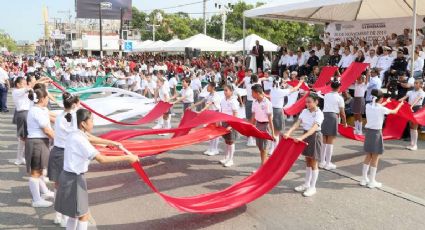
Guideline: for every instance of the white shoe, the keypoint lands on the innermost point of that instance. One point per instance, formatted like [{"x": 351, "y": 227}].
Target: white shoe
[
  {"x": 309, "y": 192},
  {"x": 42, "y": 204},
  {"x": 223, "y": 161},
  {"x": 374, "y": 184},
  {"x": 322, "y": 165},
  {"x": 64, "y": 221},
  {"x": 413, "y": 148},
  {"x": 251, "y": 142},
  {"x": 157, "y": 126},
  {"x": 48, "y": 195},
  {"x": 360, "y": 133},
  {"x": 207, "y": 152},
  {"x": 18, "y": 162},
  {"x": 290, "y": 119},
  {"x": 364, "y": 182},
  {"x": 57, "y": 220},
  {"x": 212, "y": 153},
  {"x": 330, "y": 166},
  {"x": 301, "y": 188},
  {"x": 229, "y": 163}
]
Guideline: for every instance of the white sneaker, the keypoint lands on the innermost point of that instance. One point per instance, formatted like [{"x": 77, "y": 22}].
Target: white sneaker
[
  {"x": 309, "y": 192},
  {"x": 290, "y": 119},
  {"x": 42, "y": 204},
  {"x": 229, "y": 163},
  {"x": 301, "y": 188},
  {"x": 223, "y": 161},
  {"x": 207, "y": 152},
  {"x": 364, "y": 182},
  {"x": 57, "y": 220},
  {"x": 330, "y": 166},
  {"x": 18, "y": 162},
  {"x": 157, "y": 126},
  {"x": 64, "y": 221},
  {"x": 374, "y": 184},
  {"x": 48, "y": 195},
  {"x": 408, "y": 147},
  {"x": 413, "y": 148},
  {"x": 212, "y": 153},
  {"x": 322, "y": 165},
  {"x": 251, "y": 142}
]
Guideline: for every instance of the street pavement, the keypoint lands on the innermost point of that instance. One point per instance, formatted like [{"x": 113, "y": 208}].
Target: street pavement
[{"x": 119, "y": 200}]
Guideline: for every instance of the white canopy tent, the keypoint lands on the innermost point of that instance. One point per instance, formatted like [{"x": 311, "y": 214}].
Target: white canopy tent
[
  {"x": 154, "y": 47},
  {"x": 323, "y": 11},
  {"x": 170, "y": 43},
  {"x": 139, "y": 46},
  {"x": 250, "y": 42},
  {"x": 202, "y": 42}
]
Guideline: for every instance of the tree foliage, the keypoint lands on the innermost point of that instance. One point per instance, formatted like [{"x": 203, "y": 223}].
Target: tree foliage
[
  {"x": 8, "y": 42},
  {"x": 180, "y": 25}
]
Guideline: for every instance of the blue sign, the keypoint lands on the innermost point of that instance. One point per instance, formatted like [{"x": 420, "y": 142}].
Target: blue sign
[{"x": 128, "y": 46}]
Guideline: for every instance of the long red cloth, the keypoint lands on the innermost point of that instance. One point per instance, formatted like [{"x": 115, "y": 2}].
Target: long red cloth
[
  {"x": 294, "y": 83},
  {"x": 154, "y": 114},
  {"x": 192, "y": 121},
  {"x": 349, "y": 76},
  {"x": 297, "y": 107},
  {"x": 241, "y": 193},
  {"x": 325, "y": 76}
]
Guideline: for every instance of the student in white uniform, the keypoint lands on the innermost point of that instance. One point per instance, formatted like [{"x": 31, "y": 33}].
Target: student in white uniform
[
  {"x": 72, "y": 196},
  {"x": 37, "y": 145},
  {"x": 229, "y": 105},
  {"x": 359, "y": 103},
  {"x": 186, "y": 95},
  {"x": 415, "y": 99},
  {"x": 262, "y": 117},
  {"x": 212, "y": 102},
  {"x": 311, "y": 120},
  {"x": 333, "y": 107},
  {"x": 277, "y": 98},
  {"x": 374, "y": 144},
  {"x": 163, "y": 94},
  {"x": 22, "y": 105},
  {"x": 249, "y": 82},
  {"x": 172, "y": 82},
  {"x": 196, "y": 85}
]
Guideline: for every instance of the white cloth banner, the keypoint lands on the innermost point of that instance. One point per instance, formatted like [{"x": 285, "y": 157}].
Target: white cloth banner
[{"x": 370, "y": 30}]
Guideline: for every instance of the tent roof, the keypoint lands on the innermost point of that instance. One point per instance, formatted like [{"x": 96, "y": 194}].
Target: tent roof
[
  {"x": 250, "y": 42},
  {"x": 336, "y": 10},
  {"x": 202, "y": 42}
]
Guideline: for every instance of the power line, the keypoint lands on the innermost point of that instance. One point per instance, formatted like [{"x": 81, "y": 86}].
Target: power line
[{"x": 176, "y": 6}]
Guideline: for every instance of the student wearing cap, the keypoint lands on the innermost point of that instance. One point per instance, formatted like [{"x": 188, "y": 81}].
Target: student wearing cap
[
  {"x": 384, "y": 62},
  {"x": 335, "y": 57}
]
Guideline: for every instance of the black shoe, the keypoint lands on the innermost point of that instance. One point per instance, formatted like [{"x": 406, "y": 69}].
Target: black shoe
[{"x": 5, "y": 111}]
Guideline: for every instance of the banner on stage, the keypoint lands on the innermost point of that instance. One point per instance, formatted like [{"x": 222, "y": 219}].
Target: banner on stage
[{"x": 369, "y": 30}]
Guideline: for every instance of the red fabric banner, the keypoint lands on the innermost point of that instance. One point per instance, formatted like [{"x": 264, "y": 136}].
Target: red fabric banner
[
  {"x": 294, "y": 83},
  {"x": 349, "y": 76},
  {"x": 297, "y": 107},
  {"x": 241, "y": 193},
  {"x": 325, "y": 76}
]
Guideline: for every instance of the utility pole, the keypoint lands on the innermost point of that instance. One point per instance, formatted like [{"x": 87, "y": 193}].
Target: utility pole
[
  {"x": 121, "y": 22},
  {"x": 100, "y": 31},
  {"x": 224, "y": 10},
  {"x": 205, "y": 16}
]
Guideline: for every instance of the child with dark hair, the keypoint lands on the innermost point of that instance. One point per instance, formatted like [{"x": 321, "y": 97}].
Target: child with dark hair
[{"x": 311, "y": 120}]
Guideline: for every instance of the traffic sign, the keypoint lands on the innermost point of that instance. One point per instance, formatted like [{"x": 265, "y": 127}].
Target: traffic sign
[{"x": 128, "y": 46}]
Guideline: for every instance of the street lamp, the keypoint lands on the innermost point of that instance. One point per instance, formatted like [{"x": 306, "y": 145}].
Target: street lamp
[
  {"x": 102, "y": 6},
  {"x": 158, "y": 18},
  {"x": 224, "y": 10}
]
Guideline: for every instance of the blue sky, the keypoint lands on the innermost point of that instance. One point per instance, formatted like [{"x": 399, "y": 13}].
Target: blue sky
[{"x": 22, "y": 19}]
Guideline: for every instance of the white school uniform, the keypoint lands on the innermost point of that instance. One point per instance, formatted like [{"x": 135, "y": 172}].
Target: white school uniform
[
  {"x": 308, "y": 119},
  {"x": 262, "y": 110},
  {"x": 413, "y": 95},
  {"x": 78, "y": 153},
  {"x": 20, "y": 99},
  {"x": 333, "y": 102},
  {"x": 215, "y": 100},
  {"x": 277, "y": 97},
  {"x": 37, "y": 119},
  {"x": 187, "y": 94},
  {"x": 375, "y": 114}
]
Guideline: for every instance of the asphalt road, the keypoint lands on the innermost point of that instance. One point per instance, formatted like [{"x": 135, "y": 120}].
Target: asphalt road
[{"x": 119, "y": 200}]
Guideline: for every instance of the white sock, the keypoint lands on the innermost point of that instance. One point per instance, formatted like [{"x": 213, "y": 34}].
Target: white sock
[
  {"x": 58, "y": 215},
  {"x": 71, "y": 224},
  {"x": 413, "y": 137},
  {"x": 322, "y": 153},
  {"x": 169, "y": 123},
  {"x": 231, "y": 152},
  {"x": 215, "y": 144},
  {"x": 307, "y": 178},
  {"x": 161, "y": 121},
  {"x": 314, "y": 176},
  {"x": 365, "y": 171},
  {"x": 329, "y": 151},
  {"x": 21, "y": 150},
  {"x": 210, "y": 146},
  {"x": 356, "y": 126},
  {"x": 34, "y": 184},
  {"x": 43, "y": 187},
  {"x": 274, "y": 144},
  {"x": 360, "y": 127},
  {"x": 82, "y": 225},
  {"x": 372, "y": 173}
]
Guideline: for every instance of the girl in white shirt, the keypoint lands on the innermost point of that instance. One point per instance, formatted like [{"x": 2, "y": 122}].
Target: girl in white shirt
[
  {"x": 311, "y": 120},
  {"x": 186, "y": 95},
  {"x": 212, "y": 102},
  {"x": 250, "y": 81},
  {"x": 229, "y": 105},
  {"x": 360, "y": 88},
  {"x": 37, "y": 145},
  {"x": 163, "y": 93},
  {"x": 72, "y": 196},
  {"x": 374, "y": 144},
  {"x": 333, "y": 107},
  {"x": 415, "y": 99},
  {"x": 22, "y": 105},
  {"x": 277, "y": 98}
]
